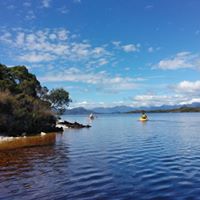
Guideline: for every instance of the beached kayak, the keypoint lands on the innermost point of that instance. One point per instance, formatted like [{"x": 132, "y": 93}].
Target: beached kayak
[{"x": 7, "y": 143}]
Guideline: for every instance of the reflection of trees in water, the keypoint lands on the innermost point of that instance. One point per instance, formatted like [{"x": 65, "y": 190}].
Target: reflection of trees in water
[
  {"x": 30, "y": 162},
  {"x": 33, "y": 172}
]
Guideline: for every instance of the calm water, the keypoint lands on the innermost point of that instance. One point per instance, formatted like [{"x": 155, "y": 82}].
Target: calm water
[{"x": 118, "y": 158}]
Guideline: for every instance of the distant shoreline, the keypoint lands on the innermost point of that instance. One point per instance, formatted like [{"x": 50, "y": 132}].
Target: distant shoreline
[
  {"x": 177, "y": 110},
  {"x": 194, "y": 107}
]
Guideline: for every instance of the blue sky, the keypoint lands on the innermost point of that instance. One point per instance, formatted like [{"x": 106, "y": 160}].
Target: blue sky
[{"x": 107, "y": 52}]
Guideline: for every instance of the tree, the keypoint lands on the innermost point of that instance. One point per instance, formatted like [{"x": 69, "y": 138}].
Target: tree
[
  {"x": 24, "y": 114},
  {"x": 18, "y": 80},
  {"x": 26, "y": 106},
  {"x": 43, "y": 93},
  {"x": 59, "y": 99},
  {"x": 7, "y": 82},
  {"x": 26, "y": 82}
]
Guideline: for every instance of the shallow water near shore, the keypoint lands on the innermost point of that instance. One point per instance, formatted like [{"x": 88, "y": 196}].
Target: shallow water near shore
[{"x": 117, "y": 158}]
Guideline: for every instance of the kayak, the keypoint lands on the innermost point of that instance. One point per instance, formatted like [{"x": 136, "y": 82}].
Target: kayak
[
  {"x": 91, "y": 117},
  {"x": 143, "y": 119}
]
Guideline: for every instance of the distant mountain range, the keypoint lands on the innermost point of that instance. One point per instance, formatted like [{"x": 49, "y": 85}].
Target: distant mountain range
[
  {"x": 110, "y": 110},
  {"x": 175, "y": 110},
  {"x": 125, "y": 109},
  {"x": 78, "y": 111}
]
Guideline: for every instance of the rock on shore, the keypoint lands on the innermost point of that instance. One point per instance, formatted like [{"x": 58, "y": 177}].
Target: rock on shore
[{"x": 66, "y": 124}]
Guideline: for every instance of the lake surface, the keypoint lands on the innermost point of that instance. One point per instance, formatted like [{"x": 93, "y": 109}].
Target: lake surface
[{"x": 117, "y": 158}]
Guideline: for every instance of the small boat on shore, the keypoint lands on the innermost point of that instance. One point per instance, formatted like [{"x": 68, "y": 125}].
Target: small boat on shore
[{"x": 7, "y": 143}]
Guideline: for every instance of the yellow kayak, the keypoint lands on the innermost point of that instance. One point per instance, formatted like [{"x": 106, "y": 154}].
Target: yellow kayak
[{"x": 143, "y": 119}]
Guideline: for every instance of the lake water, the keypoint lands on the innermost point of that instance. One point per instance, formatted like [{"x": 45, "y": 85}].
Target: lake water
[{"x": 117, "y": 158}]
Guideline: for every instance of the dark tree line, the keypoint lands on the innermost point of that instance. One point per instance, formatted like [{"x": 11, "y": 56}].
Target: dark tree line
[{"x": 25, "y": 106}]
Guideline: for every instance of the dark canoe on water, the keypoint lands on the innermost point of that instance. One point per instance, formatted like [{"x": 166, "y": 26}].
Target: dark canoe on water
[{"x": 29, "y": 141}]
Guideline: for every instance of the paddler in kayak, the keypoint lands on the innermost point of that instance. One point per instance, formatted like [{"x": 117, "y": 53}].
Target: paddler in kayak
[
  {"x": 143, "y": 116},
  {"x": 91, "y": 116}
]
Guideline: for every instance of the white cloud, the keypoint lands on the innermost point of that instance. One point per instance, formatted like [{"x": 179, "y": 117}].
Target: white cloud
[
  {"x": 159, "y": 100},
  {"x": 140, "y": 101},
  {"x": 150, "y": 49},
  {"x": 101, "y": 80},
  {"x": 153, "y": 49},
  {"x": 149, "y": 7},
  {"x": 188, "y": 87},
  {"x": 30, "y": 15},
  {"x": 6, "y": 37},
  {"x": 20, "y": 38},
  {"x": 89, "y": 104},
  {"x": 63, "y": 10},
  {"x": 185, "y": 92},
  {"x": 58, "y": 43},
  {"x": 131, "y": 47},
  {"x": 102, "y": 61},
  {"x": 80, "y": 50},
  {"x": 92, "y": 104},
  {"x": 34, "y": 57},
  {"x": 27, "y": 4},
  {"x": 96, "y": 63},
  {"x": 52, "y": 36},
  {"x": 63, "y": 34},
  {"x": 77, "y": 1},
  {"x": 128, "y": 47},
  {"x": 190, "y": 101},
  {"x": 11, "y": 7},
  {"x": 116, "y": 43},
  {"x": 180, "y": 61},
  {"x": 46, "y": 3},
  {"x": 99, "y": 50}
]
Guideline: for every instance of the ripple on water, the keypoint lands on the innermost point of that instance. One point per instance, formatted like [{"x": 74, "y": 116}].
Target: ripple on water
[{"x": 117, "y": 159}]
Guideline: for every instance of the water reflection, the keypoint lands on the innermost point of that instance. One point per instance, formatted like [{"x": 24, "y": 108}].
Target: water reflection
[
  {"x": 23, "y": 171},
  {"x": 117, "y": 158}
]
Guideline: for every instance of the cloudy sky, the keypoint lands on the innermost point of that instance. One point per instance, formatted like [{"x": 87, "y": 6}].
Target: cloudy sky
[{"x": 107, "y": 52}]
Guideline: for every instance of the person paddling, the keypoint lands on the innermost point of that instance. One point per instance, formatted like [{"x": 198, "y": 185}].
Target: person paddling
[
  {"x": 91, "y": 116},
  {"x": 144, "y": 116}
]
